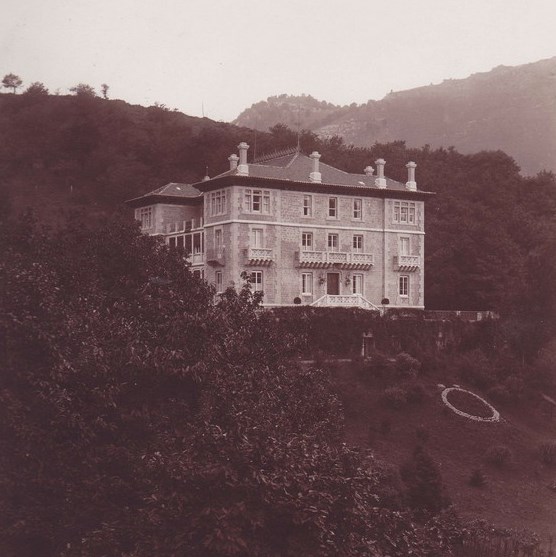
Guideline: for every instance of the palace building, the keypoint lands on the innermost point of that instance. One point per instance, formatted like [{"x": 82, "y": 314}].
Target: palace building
[{"x": 304, "y": 231}]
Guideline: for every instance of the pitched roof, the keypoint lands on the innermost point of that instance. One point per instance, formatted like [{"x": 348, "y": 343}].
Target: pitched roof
[
  {"x": 296, "y": 167},
  {"x": 170, "y": 192}
]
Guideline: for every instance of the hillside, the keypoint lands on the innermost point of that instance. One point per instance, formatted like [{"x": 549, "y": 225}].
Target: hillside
[
  {"x": 508, "y": 108},
  {"x": 490, "y": 232}
]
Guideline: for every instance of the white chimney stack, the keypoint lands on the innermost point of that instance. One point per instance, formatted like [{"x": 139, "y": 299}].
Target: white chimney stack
[
  {"x": 380, "y": 181},
  {"x": 411, "y": 184},
  {"x": 233, "y": 161},
  {"x": 315, "y": 175},
  {"x": 243, "y": 168}
]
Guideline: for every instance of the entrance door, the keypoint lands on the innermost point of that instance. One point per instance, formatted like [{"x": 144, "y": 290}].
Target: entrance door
[{"x": 333, "y": 283}]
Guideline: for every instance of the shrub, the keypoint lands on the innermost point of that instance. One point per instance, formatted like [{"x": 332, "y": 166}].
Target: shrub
[
  {"x": 547, "y": 453},
  {"x": 425, "y": 488},
  {"x": 477, "y": 478},
  {"x": 394, "y": 397},
  {"x": 499, "y": 455},
  {"x": 407, "y": 365}
]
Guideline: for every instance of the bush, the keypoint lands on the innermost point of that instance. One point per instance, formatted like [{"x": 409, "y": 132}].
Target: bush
[
  {"x": 407, "y": 365},
  {"x": 499, "y": 455},
  {"x": 394, "y": 397},
  {"x": 547, "y": 453},
  {"x": 425, "y": 488},
  {"x": 477, "y": 478}
]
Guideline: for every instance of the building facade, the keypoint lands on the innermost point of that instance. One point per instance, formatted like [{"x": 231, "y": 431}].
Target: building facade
[{"x": 305, "y": 232}]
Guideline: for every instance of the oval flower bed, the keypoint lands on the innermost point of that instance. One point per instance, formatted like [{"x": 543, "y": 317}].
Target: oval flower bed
[{"x": 468, "y": 404}]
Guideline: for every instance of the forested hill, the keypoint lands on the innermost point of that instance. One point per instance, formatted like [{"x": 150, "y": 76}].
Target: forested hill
[
  {"x": 508, "y": 108},
  {"x": 491, "y": 233}
]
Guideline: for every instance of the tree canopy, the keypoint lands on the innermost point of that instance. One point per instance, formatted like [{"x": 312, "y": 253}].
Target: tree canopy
[
  {"x": 140, "y": 418},
  {"x": 12, "y": 81}
]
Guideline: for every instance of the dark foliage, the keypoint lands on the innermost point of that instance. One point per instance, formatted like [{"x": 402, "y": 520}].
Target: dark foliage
[
  {"x": 425, "y": 489},
  {"x": 140, "y": 419}
]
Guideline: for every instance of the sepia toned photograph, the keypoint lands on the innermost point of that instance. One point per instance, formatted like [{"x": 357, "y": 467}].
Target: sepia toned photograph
[{"x": 277, "y": 278}]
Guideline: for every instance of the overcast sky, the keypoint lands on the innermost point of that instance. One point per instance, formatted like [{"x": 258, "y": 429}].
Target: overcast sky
[{"x": 226, "y": 55}]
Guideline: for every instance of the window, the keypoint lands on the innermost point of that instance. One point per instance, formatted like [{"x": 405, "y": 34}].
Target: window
[
  {"x": 404, "y": 245},
  {"x": 217, "y": 202},
  {"x": 172, "y": 242},
  {"x": 306, "y": 283},
  {"x": 404, "y": 212},
  {"x": 257, "y": 201},
  {"x": 145, "y": 215},
  {"x": 357, "y": 284},
  {"x": 257, "y": 238},
  {"x": 256, "y": 280},
  {"x": 333, "y": 242},
  {"x": 198, "y": 242},
  {"x": 357, "y": 209},
  {"x": 333, "y": 207},
  {"x": 404, "y": 285},
  {"x": 307, "y": 206},
  {"x": 306, "y": 241},
  {"x": 358, "y": 243},
  {"x": 218, "y": 239},
  {"x": 218, "y": 281}
]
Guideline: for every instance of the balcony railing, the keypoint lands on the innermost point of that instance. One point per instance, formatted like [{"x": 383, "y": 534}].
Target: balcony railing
[
  {"x": 407, "y": 263},
  {"x": 260, "y": 256},
  {"x": 340, "y": 259},
  {"x": 184, "y": 226},
  {"x": 345, "y": 300}
]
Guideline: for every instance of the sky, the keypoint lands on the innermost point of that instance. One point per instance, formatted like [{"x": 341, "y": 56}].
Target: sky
[{"x": 218, "y": 57}]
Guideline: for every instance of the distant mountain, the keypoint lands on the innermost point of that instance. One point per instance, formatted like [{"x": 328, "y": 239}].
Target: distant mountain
[{"x": 507, "y": 108}]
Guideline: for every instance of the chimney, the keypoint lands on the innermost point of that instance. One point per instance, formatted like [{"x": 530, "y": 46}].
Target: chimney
[
  {"x": 380, "y": 181},
  {"x": 411, "y": 184},
  {"x": 243, "y": 168},
  {"x": 233, "y": 161},
  {"x": 369, "y": 171},
  {"x": 315, "y": 175}
]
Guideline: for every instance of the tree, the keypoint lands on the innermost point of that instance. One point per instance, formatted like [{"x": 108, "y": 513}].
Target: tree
[
  {"x": 84, "y": 90},
  {"x": 104, "y": 90},
  {"x": 37, "y": 88},
  {"x": 12, "y": 81},
  {"x": 138, "y": 418}
]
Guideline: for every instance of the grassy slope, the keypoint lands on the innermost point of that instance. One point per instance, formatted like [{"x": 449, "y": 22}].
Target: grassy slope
[{"x": 515, "y": 496}]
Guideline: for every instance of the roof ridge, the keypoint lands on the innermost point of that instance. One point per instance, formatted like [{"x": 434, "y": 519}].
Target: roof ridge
[{"x": 275, "y": 154}]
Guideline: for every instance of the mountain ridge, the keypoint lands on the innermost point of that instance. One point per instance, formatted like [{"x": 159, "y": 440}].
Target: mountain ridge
[{"x": 511, "y": 108}]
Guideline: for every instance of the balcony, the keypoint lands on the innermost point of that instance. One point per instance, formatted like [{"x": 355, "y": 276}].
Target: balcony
[
  {"x": 337, "y": 259},
  {"x": 259, "y": 256},
  {"x": 407, "y": 263},
  {"x": 216, "y": 256},
  {"x": 344, "y": 301}
]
